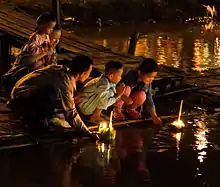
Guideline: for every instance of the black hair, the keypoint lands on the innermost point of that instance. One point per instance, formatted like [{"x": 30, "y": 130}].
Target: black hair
[
  {"x": 113, "y": 66},
  {"x": 148, "y": 65},
  {"x": 44, "y": 18},
  {"x": 80, "y": 64}
]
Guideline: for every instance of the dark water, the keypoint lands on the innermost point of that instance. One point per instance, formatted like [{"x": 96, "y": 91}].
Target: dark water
[
  {"x": 188, "y": 47},
  {"x": 139, "y": 156}
]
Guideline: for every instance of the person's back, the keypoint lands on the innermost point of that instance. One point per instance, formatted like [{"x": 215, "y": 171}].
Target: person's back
[
  {"x": 48, "y": 93},
  {"x": 50, "y": 76},
  {"x": 35, "y": 96},
  {"x": 35, "y": 54}
]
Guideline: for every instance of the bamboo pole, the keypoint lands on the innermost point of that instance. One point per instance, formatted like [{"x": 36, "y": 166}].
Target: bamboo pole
[{"x": 180, "y": 111}]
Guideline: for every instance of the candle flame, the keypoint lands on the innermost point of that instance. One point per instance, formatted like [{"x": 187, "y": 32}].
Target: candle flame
[
  {"x": 105, "y": 127},
  {"x": 178, "y": 123}
]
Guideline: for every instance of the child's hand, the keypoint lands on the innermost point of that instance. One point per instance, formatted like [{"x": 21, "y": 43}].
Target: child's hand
[
  {"x": 120, "y": 89},
  {"x": 156, "y": 120}
]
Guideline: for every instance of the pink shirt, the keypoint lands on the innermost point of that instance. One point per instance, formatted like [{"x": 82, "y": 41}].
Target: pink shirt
[{"x": 34, "y": 47}]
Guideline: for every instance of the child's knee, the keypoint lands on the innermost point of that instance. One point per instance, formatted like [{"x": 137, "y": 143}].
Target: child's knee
[{"x": 139, "y": 96}]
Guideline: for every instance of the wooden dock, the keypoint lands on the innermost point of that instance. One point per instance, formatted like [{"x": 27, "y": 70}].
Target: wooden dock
[{"x": 22, "y": 25}]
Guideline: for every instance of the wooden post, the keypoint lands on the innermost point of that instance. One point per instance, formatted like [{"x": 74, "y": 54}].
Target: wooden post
[
  {"x": 4, "y": 52},
  {"x": 133, "y": 43},
  {"x": 56, "y": 11}
]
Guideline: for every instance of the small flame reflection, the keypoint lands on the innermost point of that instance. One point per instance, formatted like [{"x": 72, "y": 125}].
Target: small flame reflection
[
  {"x": 201, "y": 142},
  {"x": 178, "y": 137},
  {"x": 178, "y": 124},
  {"x": 105, "y": 152}
]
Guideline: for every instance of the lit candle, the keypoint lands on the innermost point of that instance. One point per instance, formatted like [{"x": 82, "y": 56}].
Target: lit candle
[
  {"x": 179, "y": 123},
  {"x": 106, "y": 130}
]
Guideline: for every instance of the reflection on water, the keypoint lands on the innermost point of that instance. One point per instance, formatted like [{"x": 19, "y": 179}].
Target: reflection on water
[
  {"x": 127, "y": 162},
  {"x": 178, "y": 137},
  {"x": 201, "y": 143},
  {"x": 133, "y": 159},
  {"x": 197, "y": 50}
]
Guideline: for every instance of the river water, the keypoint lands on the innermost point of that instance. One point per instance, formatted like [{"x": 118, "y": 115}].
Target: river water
[
  {"x": 185, "y": 47},
  {"x": 143, "y": 155},
  {"x": 139, "y": 156}
]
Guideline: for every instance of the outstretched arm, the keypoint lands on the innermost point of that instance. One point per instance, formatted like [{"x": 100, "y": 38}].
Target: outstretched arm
[{"x": 150, "y": 106}]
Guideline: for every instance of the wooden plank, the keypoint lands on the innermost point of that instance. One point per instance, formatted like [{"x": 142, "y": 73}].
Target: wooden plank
[{"x": 20, "y": 24}]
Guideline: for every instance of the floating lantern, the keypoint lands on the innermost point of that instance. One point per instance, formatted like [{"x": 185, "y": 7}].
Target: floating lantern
[
  {"x": 179, "y": 123},
  {"x": 106, "y": 131}
]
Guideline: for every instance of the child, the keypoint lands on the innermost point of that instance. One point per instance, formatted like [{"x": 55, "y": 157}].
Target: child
[
  {"x": 38, "y": 47},
  {"x": 50, "y": 58},
  {"x": 35, "y": 54},
  {"x": 99, "y": 95},
  {"x": 140, "y": 84},
  {"x": 54, "y": 40},
  {"x": 55, "y": 37}
]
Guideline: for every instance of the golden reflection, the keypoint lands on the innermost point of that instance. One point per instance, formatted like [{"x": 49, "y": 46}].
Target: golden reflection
[
  {"x": 161, "y": 56},
  {"x": 105, "y": 43},
  {"x": 206, "y": 55},
  {"x": 168, "y": 49},
  {"x": 141, "y": 47},
  {"x": 198, "y": 55},
  {"x": 217, "y": 52},
  {"x": 178, "y": 137},
  {"x": 201, "y": 140},
  {"x": 104, "y": 153}
]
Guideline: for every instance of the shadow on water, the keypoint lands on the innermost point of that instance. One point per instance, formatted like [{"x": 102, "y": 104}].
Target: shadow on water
[{"x": 139, "y": 156}]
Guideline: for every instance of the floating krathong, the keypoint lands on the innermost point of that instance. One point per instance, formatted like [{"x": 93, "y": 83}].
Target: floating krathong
[
  {"x": 179, "y": 124},
  {"x": 106, "y": 131}
]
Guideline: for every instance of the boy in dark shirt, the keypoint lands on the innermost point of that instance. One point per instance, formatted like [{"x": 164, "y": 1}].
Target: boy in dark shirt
[{"x": 139, "y": 94}]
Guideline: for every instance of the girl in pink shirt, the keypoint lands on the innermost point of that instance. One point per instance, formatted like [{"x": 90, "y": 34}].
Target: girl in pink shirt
[{"x": 38, "y": 49}]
